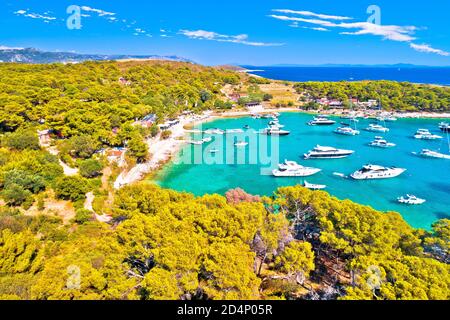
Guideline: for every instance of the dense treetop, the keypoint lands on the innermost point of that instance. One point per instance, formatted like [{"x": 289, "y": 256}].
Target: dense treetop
[
  {"x": 402, "y": 96},
  {"x": 169, "y": 245}
]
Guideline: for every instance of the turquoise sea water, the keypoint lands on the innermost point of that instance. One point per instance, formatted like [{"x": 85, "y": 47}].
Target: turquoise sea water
[{"x": 425, "y": 178}]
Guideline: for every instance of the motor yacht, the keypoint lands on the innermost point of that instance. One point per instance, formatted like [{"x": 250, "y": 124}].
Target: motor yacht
[
  {"x": 444, "y": 126},
  {"x": 275, "y": 131},
  {"x": 320, "y": 152},
  {"x": 370, "y": 171},
  {"x": 426, "y": 153},
  {"x": 377, "y": 128},
  {"x": 379, "y": 142},
  {"x": 411, "y": 200},
  {"x": 293, "y": 169},
  {"x": 425, "y": 134},
  {"x": 347, "y": 131},
  {"x": 241, "y": 144},
  {"x": 321, "y": 121}
]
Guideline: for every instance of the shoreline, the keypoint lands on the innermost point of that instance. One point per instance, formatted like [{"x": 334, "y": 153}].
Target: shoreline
[{"x": 162, "y": 151}]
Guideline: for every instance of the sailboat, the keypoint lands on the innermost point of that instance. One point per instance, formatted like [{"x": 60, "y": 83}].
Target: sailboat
[{"x": 345, "y": 129}]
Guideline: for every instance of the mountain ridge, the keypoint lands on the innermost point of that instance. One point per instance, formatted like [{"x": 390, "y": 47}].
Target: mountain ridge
[{"x": 32, "y": 55}]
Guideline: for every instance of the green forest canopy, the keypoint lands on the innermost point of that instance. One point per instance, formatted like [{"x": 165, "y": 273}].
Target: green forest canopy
[{"x": 170, "y": 245}]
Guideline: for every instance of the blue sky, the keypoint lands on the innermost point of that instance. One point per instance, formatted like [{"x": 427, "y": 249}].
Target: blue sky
[{"x": 245, "y": 32}]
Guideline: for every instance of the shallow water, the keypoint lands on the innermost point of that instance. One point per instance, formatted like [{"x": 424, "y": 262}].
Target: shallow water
[{"x": 425, "y": 178}]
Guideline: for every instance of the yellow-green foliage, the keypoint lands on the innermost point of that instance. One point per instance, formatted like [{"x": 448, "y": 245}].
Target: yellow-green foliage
[
  {"x": 87, "y": 98},
  {"x": 392, "y": 95},
  {"x": 170, "y": 245}
]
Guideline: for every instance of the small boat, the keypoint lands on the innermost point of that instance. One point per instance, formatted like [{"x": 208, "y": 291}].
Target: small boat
[
  {"x": 369, "y": 172},
  {"x": 214, "y": 151},
  {"x": 207, "y": 140},
  {"x": 197, "y": 143},
  {"x": 376, "y": 128},
  {"x": 411, "y": 200},
  {"x": 321, "y": 121},
  {"x": 311, "y": 186},
  {"x": 444, "y": 126},
  {"x": 425, "y": 134},
  {"x": 275, "y": 131},
  {"x": 387, "y": 119},
  {"x": 256, "y": 116},
  {"x": 276, "y": 123},
  {"x": 338, "y": 174},
  {"x": 379, "y": 142},
  {"x": 241, "y": 144},
  {"x": 246, "y": 127},
  {"x": 426, "y": 153},
  {"x": 320, "y": 152},
  {"x": 347, "y": 131},
  {"x": 214, "y": 131},
  {"x": 234, "y": 131},
  {"x": 293, "y": 169}
]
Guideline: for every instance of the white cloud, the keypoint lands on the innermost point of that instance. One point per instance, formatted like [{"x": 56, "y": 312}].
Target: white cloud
[
  {"x": 214, "y": 36},
  {"x": 390, "y": 32},
  {"x": 323, "y": 22},
  {"x": 312, "y": 14},
  {"x": 100, "y": 12},
  {"x": 32, "y": 15},
  {"x": 428, "y": 49}
]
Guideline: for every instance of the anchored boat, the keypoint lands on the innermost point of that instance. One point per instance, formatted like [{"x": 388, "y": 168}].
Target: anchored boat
[
  {"x": 320, "y": 152},
  {"x": 411, "y": 200},
  {"x": 314, "y": 186},
  {"x": 293, "y": 169},
  {"x": 370, "y": 171},
  {"x": 379, "y": 142}
]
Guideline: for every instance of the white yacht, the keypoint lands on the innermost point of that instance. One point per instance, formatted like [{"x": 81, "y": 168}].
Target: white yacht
[
  {"x": 377, "y": 172},
  {"x": 312, "y": 186},
  {"x": 275, "y": 131},
  {"x": 347, "y": 131},
  {"x": 197, "y": 143},
  {"x": 293, "y": 169},
  {"x": 207, "y": 140},
  {"x": 377, "y": 128},
  {"x": 234, "y": 131},
  {"x": 321, "y": 121},
  {"x": 387, "y": 117},
  {"x": 412, "y": 200},
  {"x": 379, "y": 142},
  {"x": 426, "y": 153},
  {"x": 444, "y": 126},
  {"x": 425, "y": 134},
  {"x": 214, "y": 131},
  {"x": 320, "y": 152},
  {"x": 241, "y": 144}
]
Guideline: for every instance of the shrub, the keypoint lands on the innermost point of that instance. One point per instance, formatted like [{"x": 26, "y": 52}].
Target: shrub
[
  {"x": 23, "y": 139},
  {"x": 82, "y": 216},
  {"x": 16, "y": 195},
  {"x": 90, "y": 168},
  {"x": 71, "y": 188}
]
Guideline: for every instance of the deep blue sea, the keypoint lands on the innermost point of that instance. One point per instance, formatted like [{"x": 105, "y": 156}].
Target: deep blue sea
[
  {"x": 425, "y": 178},
  {"x": 429, "y": 75}
]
